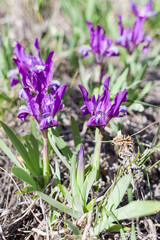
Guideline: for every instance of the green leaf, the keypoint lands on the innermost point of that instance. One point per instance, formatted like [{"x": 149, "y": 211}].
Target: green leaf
[
  {"x": 73, "y": 178},
  {"x": 54, "y": 191},
  {"x": 106, "y": 223},
  {"x": 32, "y": 144},
  {"x": 102, "y": 223},
  {"x": 3, "y": 96},
  {"x": 118, "y": 192},
  {"x": 116, "y": 227},
  {"x": 153, "y": 165},
  {"x": 78, "y": 204},
  {"x": 90, "y": 204},
  {"x": 20, "y": 148},
  {"x": 8, "y": 109},
  {"x": 61, "y": 144},
  {"x": 91, "y": 177},
  {"x": 35, "y": 145},
  {"x": 113, "y": 73},
  {"x": 145, "y": 90},
  {"x": 62, "y": 158},
  {"x": 66, "y": 194},
  {"x": 53, "y": 216},
  {"x": 137, "y": 209},
  {"x": 60, "y": 206},
  {"x": 15, "y": 140},
  {"x": 8, "y": 152},
  {"x": 57, "y": 170},
  {"x": 34, "y": 155},
  {"x": 75, "y": 134},
  {"x": 96, "y": 159},
  {"x": 80, "y": 169},
  {"x": 136, "y": 107},
  {"x": 33, "y": 128},
  {"x": 23, "y": 175},
  {"x": 133, "y": 231},
  {"x": 74, "y": 228},
  {"x": 77, "y": 198},
  {"x": 27, "y": 189},
  {"x": 85, "y": 75},
  {"x": 141, "y": 73},
  {"x": 121, "y": 229},
  {"x": 39, "y": 3},
  {"x": 119, "y": 83},
  {"x": 143, "y": 103},
  {"x": 146, "y": 155},
  {"x": 90, "y": 8}
]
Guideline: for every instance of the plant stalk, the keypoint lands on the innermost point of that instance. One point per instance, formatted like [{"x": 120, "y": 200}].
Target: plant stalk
[
  {"x": 97, "y": 151},
  {"x": 46, "y": 171},
  {"x": 99, "y": 73}
]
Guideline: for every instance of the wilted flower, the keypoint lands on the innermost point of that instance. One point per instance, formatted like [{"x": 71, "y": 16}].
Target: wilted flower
[
  {"x": 101, "y": 109},
  {"x": 131, "y": 37},
  {"x": 100, "y": 44},
  {"x": 28, "y": 64},
  {"x": 146, "y": 12}
]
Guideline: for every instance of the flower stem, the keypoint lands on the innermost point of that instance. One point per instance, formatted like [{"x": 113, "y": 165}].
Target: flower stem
[
  {"x": 99, "y": 72},
  {"x": 97, "y": 151},
  {"x": 46, "y": 171}
]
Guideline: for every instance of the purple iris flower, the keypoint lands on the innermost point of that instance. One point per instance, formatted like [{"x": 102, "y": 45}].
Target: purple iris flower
[
  {"x": 101, "y": 109},
  {"x": 130, "y": 38},
  {"x": 28, "y": 64},
  {"x": 146, "y": 12},
  {"x": 42, "y": 95},
  {"x": 42, "y": 106},
  {"x": 100, "y": 44}
]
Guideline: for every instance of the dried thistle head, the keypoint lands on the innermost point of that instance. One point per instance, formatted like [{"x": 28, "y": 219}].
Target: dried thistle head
[
  {"x": 125, "y": 145},
  {"x": 122, "y": 140}
]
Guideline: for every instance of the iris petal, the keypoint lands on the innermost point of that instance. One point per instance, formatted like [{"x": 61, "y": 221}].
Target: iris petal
[
  {"x": 100, "y": 44},
  {"x": 101, "y": 109}
]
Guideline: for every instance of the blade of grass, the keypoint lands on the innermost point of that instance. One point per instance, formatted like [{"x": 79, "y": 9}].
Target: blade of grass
[
  {"x": 58, "y": 205},
  {"x": 62, "y": 158},
  {"x": 8, "y": 152},
  {"x": 66, "y": 194},
  {"x": 137, "y": 209},
  {"x": 23, "y": 175},
  {"x": 20, "y": 148},
  {"x": 118, "y": 192},
  {"x": 61, "y": 144},
  {"x": 76, "y": 134}
]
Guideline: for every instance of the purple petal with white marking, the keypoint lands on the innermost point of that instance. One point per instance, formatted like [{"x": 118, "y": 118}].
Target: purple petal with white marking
[
  {"x": 84, "y": 50},
  {"x": 47, "y": 122},
  {"x": 23, "y": 112},
  {"x": 96, "y": 121}
]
